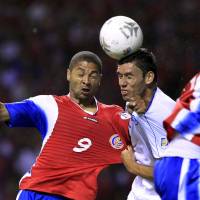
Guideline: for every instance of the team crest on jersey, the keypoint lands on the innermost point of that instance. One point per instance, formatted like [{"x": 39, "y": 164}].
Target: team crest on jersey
[
  {"x": 164, "y": 142},
  {"x": 125, "y": 115},
  {"x": 116, "y": 142}
]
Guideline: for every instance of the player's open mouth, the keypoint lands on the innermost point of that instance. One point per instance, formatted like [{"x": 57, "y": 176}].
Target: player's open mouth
[
  {"x": 85, "y": 90},
  {"x": 124, "y": 92}
]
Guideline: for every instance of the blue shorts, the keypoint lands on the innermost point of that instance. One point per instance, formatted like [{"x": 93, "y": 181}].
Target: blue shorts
[
  {"x": 33, "y": 195},
  {"x": 177, "y": 178}
]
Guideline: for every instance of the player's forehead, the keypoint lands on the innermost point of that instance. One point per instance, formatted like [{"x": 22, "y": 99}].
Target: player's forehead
[
  {"x": 127, "y": 68},
  {"x": 86, "y": 66}
]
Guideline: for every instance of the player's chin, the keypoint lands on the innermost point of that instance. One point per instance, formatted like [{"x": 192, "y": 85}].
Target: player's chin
[
  {"x": 125, "y": 97},
  {"x": 86, "y": 95}
]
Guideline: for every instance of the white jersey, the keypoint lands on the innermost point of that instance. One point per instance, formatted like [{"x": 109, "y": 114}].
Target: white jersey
[
  {"x": 175, "y": 148},
  {"x": 149, "y": 140}
]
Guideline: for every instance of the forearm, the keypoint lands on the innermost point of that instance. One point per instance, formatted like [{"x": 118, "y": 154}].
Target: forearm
[
  {"x": 4, "y": 115},
  {"x": 141, "y": 170},
  {"x": 133, "y": 167}
]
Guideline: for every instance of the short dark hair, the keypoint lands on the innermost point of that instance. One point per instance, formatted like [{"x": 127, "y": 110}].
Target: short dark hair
[
  {"x": 86, "y": 56},
  {"x": 143, "y": 59}
]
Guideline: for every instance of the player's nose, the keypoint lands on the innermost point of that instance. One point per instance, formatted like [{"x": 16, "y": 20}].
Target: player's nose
[
  {"x": 123, "y": 83},
  {"x": 86, "y": 79}
]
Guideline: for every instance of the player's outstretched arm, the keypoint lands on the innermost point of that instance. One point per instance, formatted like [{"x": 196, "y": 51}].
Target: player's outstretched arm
[
  {"x": 133, "y": 167},
  {"x": 4, "y": 115}
]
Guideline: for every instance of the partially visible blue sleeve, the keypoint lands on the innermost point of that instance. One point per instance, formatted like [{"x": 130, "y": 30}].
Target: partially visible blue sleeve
[
  {"x": 190, "y": 124},
  {"x": 27, "y": 114}
]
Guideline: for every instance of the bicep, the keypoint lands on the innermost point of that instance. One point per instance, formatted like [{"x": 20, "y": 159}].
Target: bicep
[
  {"x": 40, "y": 112},
  {"x": 21, "y": 114}
]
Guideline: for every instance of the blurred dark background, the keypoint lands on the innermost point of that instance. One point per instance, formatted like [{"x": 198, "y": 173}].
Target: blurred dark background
[{"x": 37, "y": 40}]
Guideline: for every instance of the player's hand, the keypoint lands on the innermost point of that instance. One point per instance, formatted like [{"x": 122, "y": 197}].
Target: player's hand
[
  {"x": 4, "y": 115},
  {"x": 136, "y": 104},
  {"x": 128, "y": 158}
]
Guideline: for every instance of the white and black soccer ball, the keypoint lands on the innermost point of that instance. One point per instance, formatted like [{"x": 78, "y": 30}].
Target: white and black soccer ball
[{"x": 120, "y": 36}]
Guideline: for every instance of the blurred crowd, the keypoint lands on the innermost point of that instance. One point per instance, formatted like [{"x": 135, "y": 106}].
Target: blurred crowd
[{"x": 37, "y": 40}]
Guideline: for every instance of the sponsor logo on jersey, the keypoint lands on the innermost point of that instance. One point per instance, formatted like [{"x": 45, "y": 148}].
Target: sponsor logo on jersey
[
  {"x": 116, "y": 142},
  {"x": 125, "y": 115},
  {"x": 91, "y": 119},
  {"x": 164, "y": 142}
]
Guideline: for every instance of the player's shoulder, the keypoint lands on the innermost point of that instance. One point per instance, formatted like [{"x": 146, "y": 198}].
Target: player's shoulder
[
  {"x": 115, "y": 112},
  {"x": 110, "y": 108},
  {"x": 162, "y": 98},
  {"x": 62, "y": 98},
  {"x": 40, "y": 98},
  {"x": 44, "y": 101}
]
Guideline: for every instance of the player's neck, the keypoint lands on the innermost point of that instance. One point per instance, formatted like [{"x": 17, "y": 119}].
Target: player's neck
[
  {"x": 148, "y": 95},
  {"x": 88, "y": 105}
]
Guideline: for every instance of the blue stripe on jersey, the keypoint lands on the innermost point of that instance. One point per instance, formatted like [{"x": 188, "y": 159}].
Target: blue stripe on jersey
[
  {"x": 166, "y": 176},
  {"x": 27, "y": 114},
  {"x": 189, "y": 123},
  {"x": 29, "y": 195},
  {"x": 193, "y": 180}
]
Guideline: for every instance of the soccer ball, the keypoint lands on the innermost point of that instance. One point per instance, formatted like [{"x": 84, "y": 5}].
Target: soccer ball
[{"x": 120, "y": 36}]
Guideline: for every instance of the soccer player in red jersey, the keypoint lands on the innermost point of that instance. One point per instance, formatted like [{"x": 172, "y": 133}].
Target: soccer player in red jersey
[{"x": 79, "y": 135}]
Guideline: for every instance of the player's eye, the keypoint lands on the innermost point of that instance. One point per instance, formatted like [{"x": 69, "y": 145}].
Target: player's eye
[
  {"x": 129, "y": 77},
  {"x": 94, "y": 75},
  {"x": 80, "y": 74},
  {"x": 120, "y": 76}
]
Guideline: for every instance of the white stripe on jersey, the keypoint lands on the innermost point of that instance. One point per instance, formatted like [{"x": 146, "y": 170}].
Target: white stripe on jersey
[
  {"x": 18, "y": 195},
  {"x": 48, "y": 104},
  {"x": 182, "y": 179},
  {"x": 195, "y": 104}
]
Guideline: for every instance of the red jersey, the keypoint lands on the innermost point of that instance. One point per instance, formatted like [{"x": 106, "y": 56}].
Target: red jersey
[{"x": 76, "y": 145}]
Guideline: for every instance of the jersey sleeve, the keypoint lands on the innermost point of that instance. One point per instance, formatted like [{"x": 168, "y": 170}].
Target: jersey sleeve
[
  {"x": 23, "y": 114},
  {"x": 185, "y": 118},
  {"x": 39, "y": 112}
]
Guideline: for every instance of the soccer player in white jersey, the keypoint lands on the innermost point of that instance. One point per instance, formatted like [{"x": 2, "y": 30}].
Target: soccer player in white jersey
[
  {"x": 137, "y": 76},
  {"x": 80, "y": 135},
  {"x": 177, "y": 175}
]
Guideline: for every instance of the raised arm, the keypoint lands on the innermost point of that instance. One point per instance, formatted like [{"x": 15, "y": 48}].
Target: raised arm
[
  {"x": 4, "y": 115},
  {"x": 133, "y": 167},
  {"x": 185, "y": 117}
]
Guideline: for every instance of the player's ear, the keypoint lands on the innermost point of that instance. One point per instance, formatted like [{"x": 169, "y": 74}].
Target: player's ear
[
  {"x": 68, "y": 74},
  {"x": 149, "y": 77}
]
